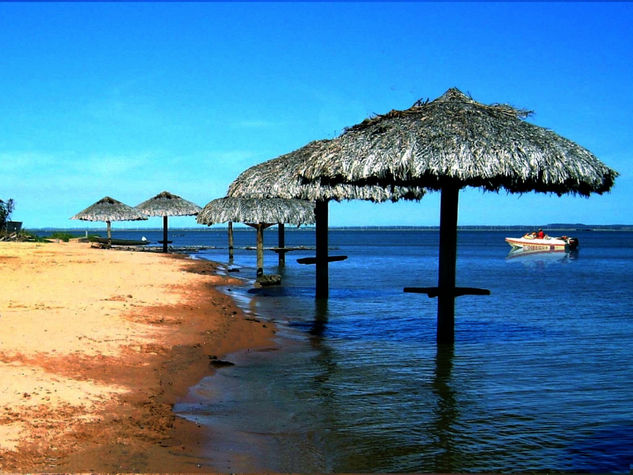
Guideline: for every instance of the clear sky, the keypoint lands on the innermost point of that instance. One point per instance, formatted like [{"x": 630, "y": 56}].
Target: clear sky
[{"x": 130, "y": 99}]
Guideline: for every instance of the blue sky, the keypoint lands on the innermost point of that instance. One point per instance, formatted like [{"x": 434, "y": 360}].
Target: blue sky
[{"x": 130, "y": 99}]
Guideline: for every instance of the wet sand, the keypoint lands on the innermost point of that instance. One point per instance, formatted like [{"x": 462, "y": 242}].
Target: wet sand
[{"x": 96, "y": 346}]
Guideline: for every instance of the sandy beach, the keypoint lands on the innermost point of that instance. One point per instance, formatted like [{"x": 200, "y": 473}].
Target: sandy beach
[{"x": 95, "y": 347}]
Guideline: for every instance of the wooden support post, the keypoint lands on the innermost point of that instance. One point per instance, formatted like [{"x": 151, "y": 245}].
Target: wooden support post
[
  {"x": 321, "y": 219},
  {"x": 259, "y": 227},
  {"x": 109, "y": 232},
  {"x": 260, "y": 249},
  {"x": 447, "y": 260},
  {"x": 281, "y": 242},
  {"x": 164, "y": 233},
  {"x": 230, "y": 242}
]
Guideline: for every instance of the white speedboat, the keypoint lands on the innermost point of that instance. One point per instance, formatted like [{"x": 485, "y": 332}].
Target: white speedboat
[{"x": 545, "y": 244}]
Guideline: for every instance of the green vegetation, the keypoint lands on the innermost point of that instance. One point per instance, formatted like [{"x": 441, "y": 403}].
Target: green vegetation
[
  {"x": 30, "y": 236},
  {"x": 6, "y": 208},
  {"x": 64, "y": 236},
  {"x": 22, "y": 235}
]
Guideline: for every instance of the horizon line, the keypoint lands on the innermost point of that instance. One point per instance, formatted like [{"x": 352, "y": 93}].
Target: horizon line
[{"x": 293, "y": 228}]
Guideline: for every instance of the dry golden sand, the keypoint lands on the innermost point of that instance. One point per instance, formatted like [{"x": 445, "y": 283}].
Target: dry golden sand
[{"x": 95, "y": 347}]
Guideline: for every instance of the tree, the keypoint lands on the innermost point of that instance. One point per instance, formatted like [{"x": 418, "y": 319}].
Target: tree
[{"x": 6, "y": 208}]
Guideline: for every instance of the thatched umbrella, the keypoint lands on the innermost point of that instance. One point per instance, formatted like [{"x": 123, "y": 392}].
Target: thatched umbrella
[
  {"x": 257, "y": 213},
  {"x": 448, "y": 144},
  {"x": 108, "y": 209},
  {"x": 166, "y": 204},
  {"x": 280, "y": 177}
]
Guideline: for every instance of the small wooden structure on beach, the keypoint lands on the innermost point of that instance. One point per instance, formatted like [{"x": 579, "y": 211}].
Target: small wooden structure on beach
[
  {"x": 259, "y": 214},
  {"x": 108, "y": 209},
  {"x": 281, "y": 250},
  {"x": 166, "y": 204}
]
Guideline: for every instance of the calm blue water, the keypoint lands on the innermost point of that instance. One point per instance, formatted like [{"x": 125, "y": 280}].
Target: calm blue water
[{"x": 540, "y": 376}]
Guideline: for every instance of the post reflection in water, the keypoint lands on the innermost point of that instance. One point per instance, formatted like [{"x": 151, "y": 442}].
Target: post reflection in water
[
  {"x": 446, "y": 412},
  {"x": 323, "y": 381},
  {"x": 320, "y": 321}
]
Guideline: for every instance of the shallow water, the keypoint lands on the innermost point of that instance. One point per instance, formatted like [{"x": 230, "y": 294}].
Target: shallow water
[{"x": 540, "y": 376}]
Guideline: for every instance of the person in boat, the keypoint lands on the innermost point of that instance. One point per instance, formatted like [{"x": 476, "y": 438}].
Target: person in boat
[
  {"x": 531, "y": 235},
  {"x": 540, "y": 234}
]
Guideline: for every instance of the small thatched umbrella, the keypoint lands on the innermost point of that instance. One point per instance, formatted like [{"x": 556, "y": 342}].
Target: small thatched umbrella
[
  {"x": 259, "y": 214},
  {"x": 108, "y": 209},
  {"x": 448, "y": 144},
  {"x": 165, "y": 204},
  {"x": 279, "y": 177}
]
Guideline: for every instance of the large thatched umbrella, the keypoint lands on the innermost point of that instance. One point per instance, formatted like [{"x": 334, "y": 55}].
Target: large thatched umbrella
[
  {"x": 448, "y": 144},
  {"x": 108, "y": 209},
  {"x": 257, "y": 213},
  {"x": 280, "y": 177},
  {"x": 166, "y": 204}
]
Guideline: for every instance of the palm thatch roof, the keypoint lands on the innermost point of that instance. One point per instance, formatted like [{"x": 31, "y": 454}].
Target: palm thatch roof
[
  {"x": 458, "y": 140},
  {"x": 254, "y": 210},
  {"x": 108, "y": 209},
  {"x": 167, "y": 204},
  {"x": 280, "y": 178}
]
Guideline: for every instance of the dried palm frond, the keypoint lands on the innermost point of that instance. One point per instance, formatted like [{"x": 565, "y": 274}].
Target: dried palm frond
[
  {"x": 458, "y": 140},
  {"x": 256, "y": 210},
  {"x": 167, "y": 204},
  {"x": 279, "y": 178},
  {"x": 109, "y": 209}
]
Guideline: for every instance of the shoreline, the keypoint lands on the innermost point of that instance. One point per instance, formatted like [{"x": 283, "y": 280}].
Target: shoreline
[{"x": 86, "y": 396}]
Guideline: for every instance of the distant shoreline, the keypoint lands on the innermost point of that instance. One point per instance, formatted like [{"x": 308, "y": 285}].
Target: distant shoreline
[{"x": 567, "y": 227}]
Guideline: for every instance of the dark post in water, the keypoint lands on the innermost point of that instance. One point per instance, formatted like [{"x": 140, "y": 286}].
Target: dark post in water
[
  {"x": 164, "y": 233},
  {"x": 230, "y": 242},
  {"x": 446, "y": 292},
  {"x": 260, "y": 249},
  {"x": 447, "y": 258},
  {"x": 321, "y": 221},
  {"x": 281, "y": 243}
]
